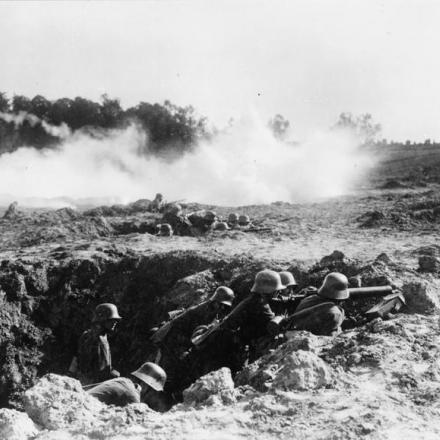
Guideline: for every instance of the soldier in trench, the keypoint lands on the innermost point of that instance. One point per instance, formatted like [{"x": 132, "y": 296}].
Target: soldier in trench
[
  {"x": 173, "y": 216},
  {"x": 173, "y": 339},
  {"x": 243, "y": 336},
  {"x": 145, "y": 385},
  {"x": 94, "y": 358},
  {"x": 322, "y": 313}
]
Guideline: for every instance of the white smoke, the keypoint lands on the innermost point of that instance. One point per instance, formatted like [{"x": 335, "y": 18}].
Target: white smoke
[
  {"x": 247, "y": 165},
  {"x": 62, "y": 131}
]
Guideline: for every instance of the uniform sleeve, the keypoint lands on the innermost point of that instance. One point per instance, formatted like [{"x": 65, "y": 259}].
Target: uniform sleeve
[
  {"x": 267, "y": 313},
  {"x": 132, "y": 398},
  {"x": 236, "y": 317}
]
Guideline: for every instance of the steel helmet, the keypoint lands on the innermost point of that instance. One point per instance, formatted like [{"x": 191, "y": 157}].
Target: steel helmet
[
  {"x": 233, "y": 218},
  {"x": 174, "y": 208},
  {"x": 166, "y": 229},
  {"x": 152, "y": 375},
  {"x": 287, "y": 279},
  {"x": 221, "y": 226},
  {"x": 267, "y": 281},
  {"x": 243, "y": 220},
  {"x": 335, "y": 286},
  {"x": 105, "y": 311},
  {"x": 223, "y": 295},
  {"x": 159, "y": 196}
]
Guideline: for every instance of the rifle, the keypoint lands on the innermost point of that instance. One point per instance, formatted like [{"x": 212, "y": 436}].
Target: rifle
[
  {"x": 257, "y": 230},
  {"x": 162, "y": 331},
  {"x": 197, "y": 340},
  {"x": 391, "y": 301}
]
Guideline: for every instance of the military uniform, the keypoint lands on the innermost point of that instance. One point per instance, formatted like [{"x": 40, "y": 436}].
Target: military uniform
[
  {"x": 243, "y": 337},
  {"x": 94, "y": 357},
  {"x": 119, "y": 392},
  {"x": 177, "y": 340},
  {"x": 320, "y": 316}
]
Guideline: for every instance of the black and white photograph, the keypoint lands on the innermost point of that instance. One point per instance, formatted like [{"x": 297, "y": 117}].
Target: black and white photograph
[{"x": 219, "y": 219}]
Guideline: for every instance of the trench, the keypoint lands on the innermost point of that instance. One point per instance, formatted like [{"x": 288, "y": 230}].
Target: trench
[{"x": 45, "y": 305}]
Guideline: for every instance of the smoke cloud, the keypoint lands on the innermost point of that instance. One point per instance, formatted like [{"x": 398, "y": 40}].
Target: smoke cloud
[
  {"x": 245, "y": 165},
  {"x": 62, "y": 131}
]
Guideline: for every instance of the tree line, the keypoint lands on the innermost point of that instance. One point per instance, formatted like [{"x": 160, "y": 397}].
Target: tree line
[{"x": 169, "y": 126}]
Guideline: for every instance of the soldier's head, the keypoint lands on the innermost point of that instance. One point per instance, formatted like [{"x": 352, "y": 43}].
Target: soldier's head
[
  {"x": 222, "y": 299},
  {"x": 106, "y": 316},
  {"x": 159, "y": 197},
  {"x": 267, "y": 283},
  {"x": 244, "y": 220},
  {"x": 210, "y": 217},
  {"x": 151, "y": 377},
  {"x": 233, "y": 218},
  {"x": 174, "y": 209},
  {"x": 334, "y": 287},
  {"x": 288, "y": 281},
  {"x": 165, "y": 230}
]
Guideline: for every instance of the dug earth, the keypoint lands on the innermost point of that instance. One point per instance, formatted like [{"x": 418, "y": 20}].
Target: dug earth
[{"x": 378, "y": 380}]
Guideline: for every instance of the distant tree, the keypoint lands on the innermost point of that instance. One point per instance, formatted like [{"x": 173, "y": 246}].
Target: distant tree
[
  {"x": 427, "y": 142},
  {"x": 363, "y": 126},
  {"x": 279, "y": 126},
  {"x": 4, "y": 103},
  {"x": 60, "y": 111},
  {"x": 21, "y": 104},
  {"x": 169, "y": 126},
  {"x": 40, "y": 106},
  {"x": 84, "y": 112},
  {"x": 111, "y": 112}
]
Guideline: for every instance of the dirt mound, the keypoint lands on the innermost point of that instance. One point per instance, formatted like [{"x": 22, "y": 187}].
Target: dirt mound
[
  {"x": 140, "y": 206},
  {"x": 393, "y": 184}
]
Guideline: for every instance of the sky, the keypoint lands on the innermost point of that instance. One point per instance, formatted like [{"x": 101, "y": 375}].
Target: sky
[{"x": 307, "y": 60}]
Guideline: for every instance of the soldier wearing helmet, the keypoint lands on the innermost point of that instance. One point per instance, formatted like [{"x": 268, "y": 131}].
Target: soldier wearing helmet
[
  {"x": 202, "y": 222},
  {"x": 165, "y": 230},
  {"x": 321, "y": 313},
  {"x": 245, "y": 332},
  {"x": 157, "y": 204},
  {"x": 144, "y": 384},
  {"x": 244, "y": 220},
  {"x": 173, "y": 339},
  {"x": 253, "y": 315},
  {"x": 173, "y": 216},
  {"x": 94, "y": 354},
  {"x": 284, "y": 300}
]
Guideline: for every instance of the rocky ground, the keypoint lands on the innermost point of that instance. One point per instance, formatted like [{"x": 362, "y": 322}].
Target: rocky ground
[{"x": 378, "y": 381}]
